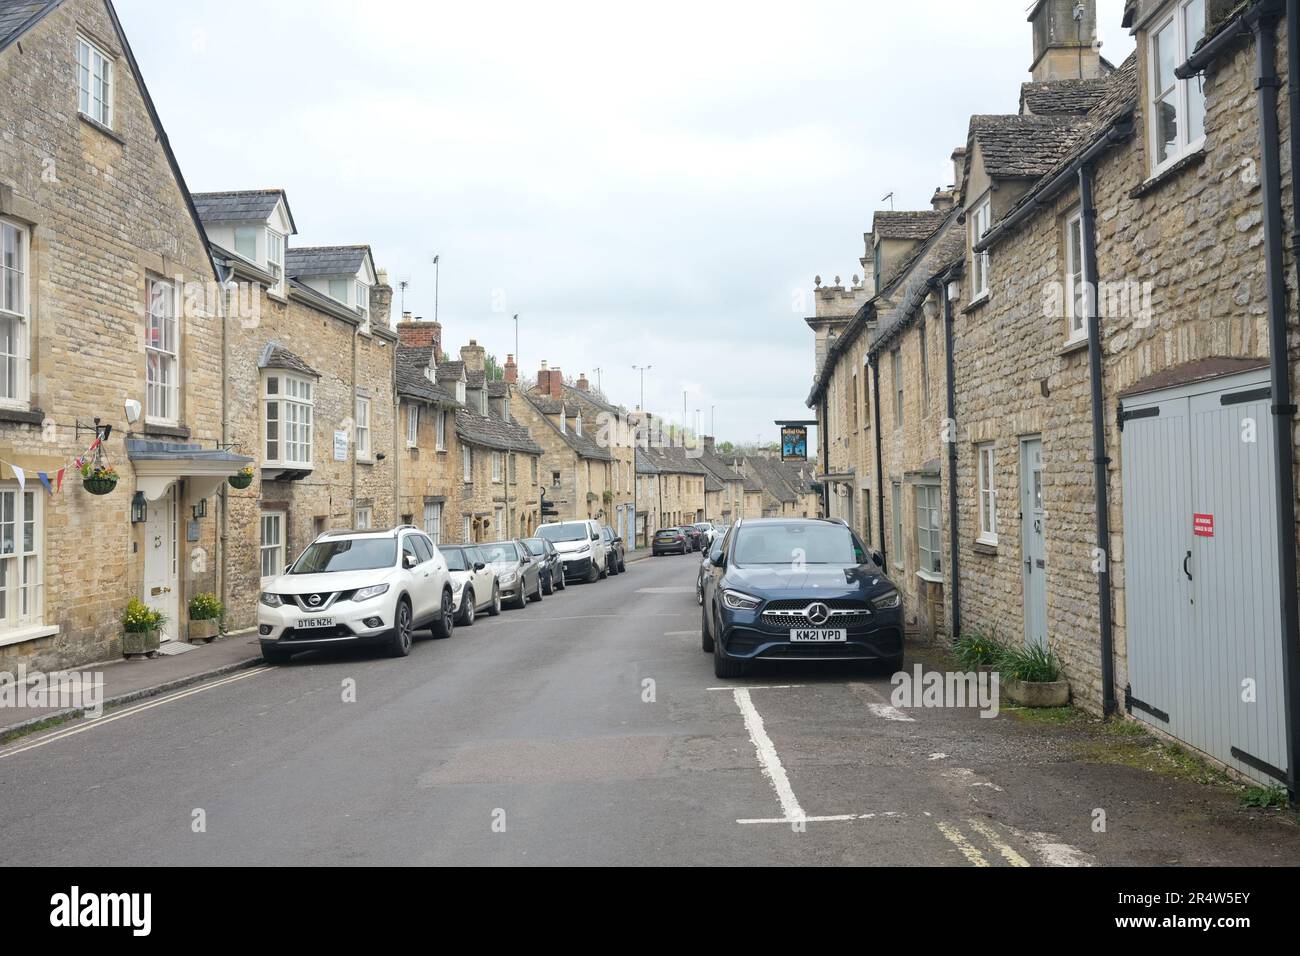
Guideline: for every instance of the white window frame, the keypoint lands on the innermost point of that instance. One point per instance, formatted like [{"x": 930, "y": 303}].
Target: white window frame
[
  {"x": 273, "y": 553},
  {"x": 986, "y": 458},
  {"x": 496, "y": 468},
  {"x": 243, "y": 235},
  {"x": 433, "y": 521},
  {"x": 467, "y": 463},
  {"x": 294, "y": 402},
  {"x": 95, "y": 82},
  {"x": 363, "y": 304},
  {"x": 467, "y": 529},
  {"x": 981, "y": 220},
  {"x": 275, "y": 259},
  {"x": 365, "y": 518},
  {"x": 412, "y": 426},
  {"x": 22, "y": 558},
  {"x": 162, "y": 350},
  {"x": 1076, "y": 314},
  {"x": 929, "y": 528},
  {"x": 896, "y": 502},
  {"x": 441, "y": 439},
  {"x": 15, "y": 286},
  {"x": 499, "y": 521},
  {"x": 896, "y": 372},
  {"x": 361, "y": 428},
  {"x": 1180, "y": 90}
]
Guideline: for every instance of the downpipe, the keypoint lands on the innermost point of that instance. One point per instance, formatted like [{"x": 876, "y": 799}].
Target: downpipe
[
  {"x": 954, "y": 549},
  {"x": 880, "y": 468}
]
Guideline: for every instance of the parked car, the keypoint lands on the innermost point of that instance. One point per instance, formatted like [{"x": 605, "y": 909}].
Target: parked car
[
  {"x": 705, "y": 563},
  {"x": 706, "y": 528},
  {"x": 519, "y": 576},
  {"x": 473, "y": 583},
  {"x": 798, "y": 589},
  {"x": 694, "y": 537},
  {"x": 552, "y": 564},
  {"x": 616, "y": 559},
  {"x": 582, "y": 548},
  {"x": 357, "y": 587},
  {"x": 670, "y": 541}
]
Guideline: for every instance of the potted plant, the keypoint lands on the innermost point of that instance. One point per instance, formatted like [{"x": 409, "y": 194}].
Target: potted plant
[
  {"x": 205, "y": 618},
  {"x": 98, "y": 477},
  {"x": 978, "y": 652},
  {"x": 140, "y": 626},
  {"x": 242, "y": 478},
  {"x": 608, "y": 497},
  {"x": 1031, "y": 676}
]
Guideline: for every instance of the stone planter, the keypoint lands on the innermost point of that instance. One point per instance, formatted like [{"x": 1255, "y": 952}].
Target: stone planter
[
  {"x": 1047, "y": 694},
  {"x": 139, "y": 643},
  {"x": 99, "y": 486},
  {"x": 205, "y": 631}
]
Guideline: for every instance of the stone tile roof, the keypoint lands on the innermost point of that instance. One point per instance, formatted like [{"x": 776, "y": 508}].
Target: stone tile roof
[
  {"x": 645, "y": 463},
  {"x": 498, "y": 388},
  {"x": 919, "y": 224},
  {"x": 1023, "y": 147},
  {"x": 475, "y": 378},
  {"x": 673, "y": 460},
  {"x": 546, "y": 404},
  {"x": 1063, "y": 97},
  {"x": 16, "y": 16},
  {"x": 412, "y": 362},
  {"x": 321, "y": 261},
  {"x": 492, "y": 432},
  {"x": 718, "y": 468},
  {"x": 583, "y": 445},
  {"x": 450, "y": 371},
  {"x": 769, "y": 475},
  {"x": 244, "y": 206},
  {"x": 932, "y": 260},
  {"x": 275, "y": 355}
]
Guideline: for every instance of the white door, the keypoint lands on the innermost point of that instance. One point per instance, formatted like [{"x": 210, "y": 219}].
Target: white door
[
  {"x": 1032, "y": 551},
  {"x": 161, "y": 583}
]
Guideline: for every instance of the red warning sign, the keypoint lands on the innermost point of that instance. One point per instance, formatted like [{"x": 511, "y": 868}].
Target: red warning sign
[{"x": 1203, "y": 526}]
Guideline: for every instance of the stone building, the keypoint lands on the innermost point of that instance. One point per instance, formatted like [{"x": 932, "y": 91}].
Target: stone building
[
  {"x": 110, "y": 312},
  {"x": 680, "y": 482},
  {"x": 724, "y": 496},
  {"x": 615, "y": 431}
]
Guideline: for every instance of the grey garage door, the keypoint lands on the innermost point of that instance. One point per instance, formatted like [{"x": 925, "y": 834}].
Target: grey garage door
[{"x": 1200, "y": 570}]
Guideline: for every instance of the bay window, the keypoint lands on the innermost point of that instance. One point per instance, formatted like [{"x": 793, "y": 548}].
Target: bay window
[{"x": 288, "y": 403}]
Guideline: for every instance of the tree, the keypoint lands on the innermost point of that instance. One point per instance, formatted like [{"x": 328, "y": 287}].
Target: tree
[{"x": 493, "y": 368}]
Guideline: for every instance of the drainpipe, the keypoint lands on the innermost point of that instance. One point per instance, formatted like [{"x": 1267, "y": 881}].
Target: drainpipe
[
  {"x": 823, "y": 439},
  {"x": 224, "y": 276},
  {"x": 874, "y": 360},
  {"x": 1101, "y": 463},
  {"x": 356, "y": 336},
  {"x": 954, "y": 549},
  {"x": 1284, "y": 411}
]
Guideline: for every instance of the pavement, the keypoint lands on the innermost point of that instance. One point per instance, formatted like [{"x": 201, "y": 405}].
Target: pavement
[{"x": 589, "y": 729}]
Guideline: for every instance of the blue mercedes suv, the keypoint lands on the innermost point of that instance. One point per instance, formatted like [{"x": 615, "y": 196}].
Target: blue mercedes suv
[{"x": 798, "y": 589}]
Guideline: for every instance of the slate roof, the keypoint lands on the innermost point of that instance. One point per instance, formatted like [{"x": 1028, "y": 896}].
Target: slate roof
[
  {"x": 546, "y": 404},
  {"x": 1023, "y": 147},
  {"x": 275, "y": 355},
  {"x": 932, "y": 260},
  {"x": 17, "y": 16},
  {"x": 718, "y": 468},
  {"x": 920, "y": 224},
  {"x": 769, "y": 475},
  {"x": 450, "y": 371},
  {"x": 498, "y": 388},
  {"x": 475, "y": 378},
  {"x": 492, "y": 432},
  {"x": 1063, "y": 97},
  {"x": 645, "y": 464},
  {"x": 583, "y": 445},
  {"x": 320, "y": 261},
  {"x": 254, "y": 205},
  {"x": 672, "y": 460},
  {"x": 412, "y": 361}
]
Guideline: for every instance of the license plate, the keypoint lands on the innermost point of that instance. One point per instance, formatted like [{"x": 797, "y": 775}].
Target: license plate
[
  {"x": 311, "y": 623},
  {"x": 819, "y": 636}
]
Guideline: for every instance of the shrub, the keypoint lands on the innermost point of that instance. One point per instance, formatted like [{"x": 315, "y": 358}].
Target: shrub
[
  {"x": 205, "y": 607},
  {"x": 1033, "y": 663},
  {"x": 139, "y": 617},
  {"x": 974, "y": 650}
]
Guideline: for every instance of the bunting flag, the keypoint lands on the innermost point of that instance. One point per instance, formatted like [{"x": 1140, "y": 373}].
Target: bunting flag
[
  {"x": 53, "y": 485},
  {"x": 58, "y": 481},
  {"x": 45, "y": 480},
  {"x": 21, "y": 476}
]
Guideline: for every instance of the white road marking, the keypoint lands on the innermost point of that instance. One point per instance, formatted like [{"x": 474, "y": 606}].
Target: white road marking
[
  {"x": 758, "y": 687},
  {"x": 1007, "y": 853},
  {"x": 665, "y": 590},
  {"x": 971, "y": 780},
  {"x": 681, "y": 633},
  {"x": 937, "y": 757},
  {"x": 957, "y": 839},
  {"x": 1051, "y": 851},
  {"x": 767, "y": 757},
  {"x": 840, "y": 818},
  {"x": 95, "y": 722}
]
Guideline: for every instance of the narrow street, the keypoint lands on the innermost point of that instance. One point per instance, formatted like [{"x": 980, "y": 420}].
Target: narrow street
[{"x": 527, "y": 739}]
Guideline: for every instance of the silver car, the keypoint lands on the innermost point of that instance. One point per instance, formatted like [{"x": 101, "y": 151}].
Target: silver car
[{"x": 519, "y": 574}]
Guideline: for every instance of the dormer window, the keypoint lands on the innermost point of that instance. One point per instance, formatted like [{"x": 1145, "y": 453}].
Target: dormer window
[
  {"x": 460, "y": 392},
  {"x": 577, "y": 425},
  {"x": 981, "y": 220},
  {"x": 275, "y": 259},
  {"x": 94, "y": 82},
  {"x": 246, "y": 242},
  {"x": 482, "y": 402},
  {"x": 339, "y": 290},
  {"x": 1177, "y": 106},
  {"x": 363, "y": 300},
  {"x": 564, "y": 422}
]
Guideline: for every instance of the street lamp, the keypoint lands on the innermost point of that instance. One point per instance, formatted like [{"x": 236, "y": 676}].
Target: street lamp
[
  {"x": 437, "y": 280},
  {"x": 642, "y": 369}
]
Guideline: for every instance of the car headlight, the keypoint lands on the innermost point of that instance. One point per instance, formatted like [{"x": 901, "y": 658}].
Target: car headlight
[
  {"x": 887, "y": 601},
  {"x": 271, "y": 600},
  {"x": 508, "y": 577},
  {"x": 457, "y": 587},
  {"x": 739, "y": 601},
  {"x": 365, "y": 594}
]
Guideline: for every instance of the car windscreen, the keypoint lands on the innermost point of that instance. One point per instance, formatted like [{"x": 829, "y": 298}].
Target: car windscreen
[
  {"x": 667, "y": 533},
  {"x": 571, "y": 531},
  {"x": 795, "y": 544},
  {"x": 456, "y": 560},
  {"x": 502, "y": 551},
  {"x": 356, "y": 554},
  {"x": 535, "y": 546}
]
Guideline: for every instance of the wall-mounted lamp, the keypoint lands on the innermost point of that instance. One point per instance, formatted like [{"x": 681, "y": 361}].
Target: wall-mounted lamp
[
  {"x": 139, "y": 508},
  {"x": 201, "y": 509}
]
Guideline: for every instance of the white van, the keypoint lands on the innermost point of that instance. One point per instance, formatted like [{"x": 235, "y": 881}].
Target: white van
[{"x": 582, "y": 548}]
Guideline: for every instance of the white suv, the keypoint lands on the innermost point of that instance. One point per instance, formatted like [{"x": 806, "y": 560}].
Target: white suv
[
  {"x": 582, "y": 548},
  {"x": 350, "y": 587}
]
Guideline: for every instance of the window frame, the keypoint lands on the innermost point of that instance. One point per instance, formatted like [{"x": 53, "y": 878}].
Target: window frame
[
  {"x": 412, "y": 426},
  {"x": 166, "y": 411},
  {"x": 896, "y": 502},
  {"x": 282, "y": 519},
  {"x": 467, "y": 464},
  {"x": 440, "y": 438},
  {"x": 275, "y": 263},
  {"x": 981, "y": 220},
  {"x": 21, "y": 354},
  {"x": 496, "y": 467},
  {"x": 1183, "y": 146},
  {"x": 987, "y": 492},
  {"x": 364, "y": 518},
  {"x": 929, "y": 533},
  {"x": 284, "y": 398},
  {"x": 107, "y": 81},
  {"x": 361, "y": 428},
  {"x": 433, "y": 521},
  {"x": 29, "y": 586},
  {"x": 1076, "y": 323},
  {"x": 896, "y": 372}
]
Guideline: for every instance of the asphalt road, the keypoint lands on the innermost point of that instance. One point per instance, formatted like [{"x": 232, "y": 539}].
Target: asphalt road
[{"x": 587, "y": 729}]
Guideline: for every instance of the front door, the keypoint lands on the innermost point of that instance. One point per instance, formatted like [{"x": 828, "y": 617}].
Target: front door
[
  {"x": 161, "y": 584},
  {"x": 1033, "y": 554}
]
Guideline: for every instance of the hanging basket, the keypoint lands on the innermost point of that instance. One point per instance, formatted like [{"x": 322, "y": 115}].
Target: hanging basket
[
  {"x": 240, "y": 481},
  {"x": 99, "y": 485}
]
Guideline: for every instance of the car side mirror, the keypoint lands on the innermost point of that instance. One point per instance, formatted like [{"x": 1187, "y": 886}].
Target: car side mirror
[
  {"x": 595, "y": 537},
  {"x": 479, "y": 566},
  {"x": 878, "y": 558},
  {"x": 718, "y": 561},
  {"x": 408, "y": 561}
]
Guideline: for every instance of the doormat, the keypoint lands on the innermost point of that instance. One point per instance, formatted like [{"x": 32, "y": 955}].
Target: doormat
[{"x": 172, "y": 648}]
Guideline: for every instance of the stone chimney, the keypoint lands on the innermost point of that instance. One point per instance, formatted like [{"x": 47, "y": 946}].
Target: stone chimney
[
  {"x": 583, "y": 384},
  {"x": 417, "y": 333},
  {"x": 381, "y": 301},
  {"x": 709, "y": 444},
  {"x": 511, "y": 370},
  {"x": 474, "y": 356},
  {"x": 958, "y": 171},
  {"x": 943, "y": 199},
  {"x": 1065, "y": 48}
]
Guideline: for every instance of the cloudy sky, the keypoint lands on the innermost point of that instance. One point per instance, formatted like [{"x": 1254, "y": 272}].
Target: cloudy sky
[{"x": 642, "y": 185}]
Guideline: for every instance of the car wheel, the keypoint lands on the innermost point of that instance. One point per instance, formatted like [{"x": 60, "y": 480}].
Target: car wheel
[
  {"x": 699, "y": 595},
  {"x": 706, "y": 639},
  {"x": 548, "y": 586},
  {"x": 560, "y": 582},
  {"x": 622, "y": 565},
  {"x": 593, "y": 575},
  {"x": 403, "y": 631},
  {"x": 446, "y": 622},
  {"x": 537, "y": 595},
  {"x": 725, "y": 667},
  {"x": 275, "y": 655},
  {"x": 521, "y": 599},
  {"x": 494, "y": 609},
  {"x": 466, "y": 616},
  {"x": 603, "y": 572}
]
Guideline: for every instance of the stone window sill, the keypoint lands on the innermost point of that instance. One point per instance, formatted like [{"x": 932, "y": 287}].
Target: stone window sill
[
  {"x": 23, "y": 634},
  {"x": 1172, "y": 172},
  {"x": 930, "y": 576},
  {"x": 22, "y": 416},
  {"x": 166, "y": 431},
  {"x": 984, "y": 547},
  {"x": 1074, "y": 345},
  {"x": 977, "y": 304},
  {"x": 101, "y": 128}
]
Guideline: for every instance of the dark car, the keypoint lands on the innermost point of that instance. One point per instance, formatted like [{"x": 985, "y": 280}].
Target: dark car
[
  {"x": 798, "y": 589},
  {"x": 617, "y": 553},
  {"x": 670, "y": 541},
  {"x": 552, "y": 565},
  {"x": 694, "y": 537},
  {"x": 706, "y": 562}
]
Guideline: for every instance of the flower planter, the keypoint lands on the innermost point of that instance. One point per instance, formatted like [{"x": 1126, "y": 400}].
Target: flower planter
[
  {"x": 205, "y": 631},
  {"x": 240, "y": 481},
  {"x": 99, "y": 486},
  {"x": 1033, "y": 694},
  {"x": 139, "y": 643}
]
